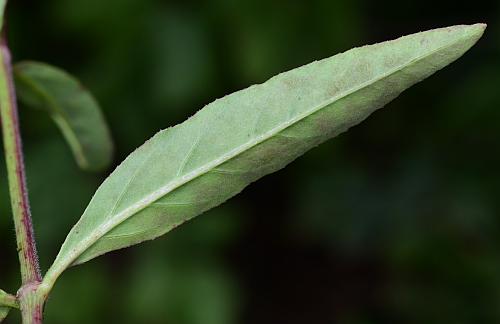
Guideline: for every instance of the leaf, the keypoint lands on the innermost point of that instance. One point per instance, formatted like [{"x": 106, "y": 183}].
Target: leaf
[
  {"x": 4, "y": 311},
  {"x": 73, "y": 109},
  {"x": 3, "y": 3},
  {"x": 6, "y": 303},
  {"x": 192, "y": 167}
]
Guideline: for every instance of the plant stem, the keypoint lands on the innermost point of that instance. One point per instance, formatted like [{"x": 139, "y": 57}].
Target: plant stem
[
  {"x": 30, "y": 302},
  {"x": 15, "y": 169}
]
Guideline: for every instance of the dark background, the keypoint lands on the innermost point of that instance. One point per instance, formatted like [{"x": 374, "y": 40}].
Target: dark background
[{"x": 396, "y": 221}]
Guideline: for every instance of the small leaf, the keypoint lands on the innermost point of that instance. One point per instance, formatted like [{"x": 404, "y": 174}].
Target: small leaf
[
  {"x": 73, "y": 109},
  {"x": 3, "y": 3},
  {"x": 192, "y": 167},
  {"x": 6, "y": 302},
  {"x": 4, "y": 311}
]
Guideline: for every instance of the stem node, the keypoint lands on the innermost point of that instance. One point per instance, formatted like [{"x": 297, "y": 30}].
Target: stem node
[{"x": 31, "y": 301}]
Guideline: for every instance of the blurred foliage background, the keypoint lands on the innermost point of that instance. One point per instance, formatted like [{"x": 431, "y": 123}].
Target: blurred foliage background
[{"x": 396, "y": 221}]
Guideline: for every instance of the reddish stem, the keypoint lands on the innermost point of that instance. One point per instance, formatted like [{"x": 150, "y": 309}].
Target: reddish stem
[{"x": 30, "y": 300}]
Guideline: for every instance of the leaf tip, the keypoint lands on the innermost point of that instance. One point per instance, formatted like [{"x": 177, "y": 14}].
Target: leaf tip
[
  {"x": 475, "y": 31},
  {"x": 467, "y": 35},
  {"x": 478, "y": 29}
]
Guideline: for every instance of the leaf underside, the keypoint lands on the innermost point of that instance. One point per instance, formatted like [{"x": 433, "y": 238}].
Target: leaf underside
[
  {"x": 73, "y": 109},
  {"x": 187, "y": 169}
]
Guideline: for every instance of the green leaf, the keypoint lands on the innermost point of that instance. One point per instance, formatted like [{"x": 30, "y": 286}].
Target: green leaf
[
  {"x": 3, "y": 3},
  {"x": 6, "y": 303},
  {"x": 73, "y": 109},
  {"x": 4, "y": 311},
  {"x": 192, "y": 167}
]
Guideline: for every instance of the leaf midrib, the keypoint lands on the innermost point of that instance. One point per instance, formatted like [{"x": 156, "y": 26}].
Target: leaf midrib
[{"x": 119, "y": 218}]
